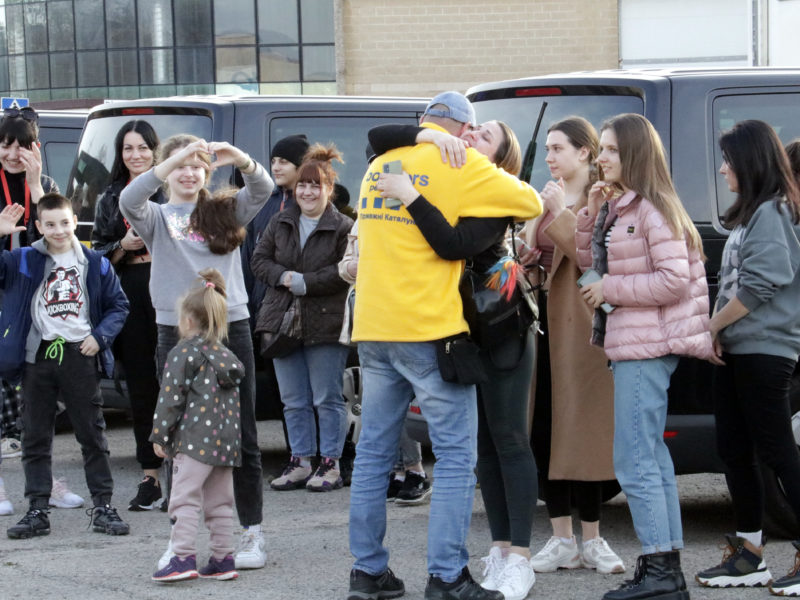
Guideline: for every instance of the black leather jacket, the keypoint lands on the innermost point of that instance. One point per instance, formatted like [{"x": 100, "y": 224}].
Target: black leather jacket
[{"x": 109, "y": 224}]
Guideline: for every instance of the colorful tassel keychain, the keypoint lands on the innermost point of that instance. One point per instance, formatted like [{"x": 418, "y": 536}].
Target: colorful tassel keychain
[{"x": 503, "y": 276}]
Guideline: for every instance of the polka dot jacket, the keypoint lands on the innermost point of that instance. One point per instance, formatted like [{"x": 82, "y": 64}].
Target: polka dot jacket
[{"x": 198, "y": 412}]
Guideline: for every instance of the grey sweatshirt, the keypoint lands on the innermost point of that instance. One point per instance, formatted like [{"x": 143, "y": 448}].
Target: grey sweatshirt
[
  {"x": 178, "y": 252},
  {"x": 761, "y": 267}
]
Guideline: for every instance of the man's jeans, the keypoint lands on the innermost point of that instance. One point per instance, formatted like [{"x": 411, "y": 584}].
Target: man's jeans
[
  {"x": 393, "y": 373},
  {"x": 248, "y": 480},
  {"x": 642, "y": 461},
  {"x": 309, "y": 378}
]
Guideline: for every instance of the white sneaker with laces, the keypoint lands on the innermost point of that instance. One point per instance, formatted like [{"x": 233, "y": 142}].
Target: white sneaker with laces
[
  {"x": 557, "y": 555},
  {"x": 493, "y": 568},
  {"x": 166, "y": 557},
  {"x": 62, "y": 497},
  {"x": 251, "y": 553},
  {"x": 598, "y": 555},
  {"x": 517, "y": 578},
  {"x": 6, "y": 508}
]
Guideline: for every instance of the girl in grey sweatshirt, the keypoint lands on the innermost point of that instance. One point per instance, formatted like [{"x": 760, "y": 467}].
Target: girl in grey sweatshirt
[{"x": 756, "y": 331}]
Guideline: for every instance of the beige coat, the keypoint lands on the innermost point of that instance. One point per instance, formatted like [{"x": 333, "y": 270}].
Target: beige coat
[{"x": 583, "y": 394}]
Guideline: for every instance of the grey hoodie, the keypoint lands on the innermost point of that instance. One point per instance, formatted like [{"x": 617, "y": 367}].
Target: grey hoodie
[
  {"x": 178, "y": 252},
  {"x": 761, "y": 267}
]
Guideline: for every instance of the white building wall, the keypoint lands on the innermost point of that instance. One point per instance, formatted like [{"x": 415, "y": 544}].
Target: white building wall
[
  {"x": 675, "y": 33},
  {"x": 784, "y": 26}
]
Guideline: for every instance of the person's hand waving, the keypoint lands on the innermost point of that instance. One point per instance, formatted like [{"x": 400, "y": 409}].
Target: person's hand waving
[{"x": 9, "y": 217}]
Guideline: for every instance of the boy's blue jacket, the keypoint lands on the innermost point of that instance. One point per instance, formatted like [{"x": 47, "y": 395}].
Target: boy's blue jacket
[{"x": 21, "y": 273}]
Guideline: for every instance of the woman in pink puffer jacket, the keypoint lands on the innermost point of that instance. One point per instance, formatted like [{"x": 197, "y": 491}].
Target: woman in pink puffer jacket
[{"x": 637, "y": 235}]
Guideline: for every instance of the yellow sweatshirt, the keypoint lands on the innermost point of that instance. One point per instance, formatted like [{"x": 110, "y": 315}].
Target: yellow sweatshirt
[{"x": 404, "y": 291}]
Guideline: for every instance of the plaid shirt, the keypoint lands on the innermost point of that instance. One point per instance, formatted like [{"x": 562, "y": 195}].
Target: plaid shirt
[{"x": 10, "y": 406}]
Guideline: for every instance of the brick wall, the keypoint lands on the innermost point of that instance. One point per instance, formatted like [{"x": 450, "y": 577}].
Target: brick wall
[{"x": 420, "y": 47}]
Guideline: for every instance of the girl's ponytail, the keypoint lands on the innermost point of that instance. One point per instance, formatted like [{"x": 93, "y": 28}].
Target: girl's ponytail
[{"x": 208, "y": 306}]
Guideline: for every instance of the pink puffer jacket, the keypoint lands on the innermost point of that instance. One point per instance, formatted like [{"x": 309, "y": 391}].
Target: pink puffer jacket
[{"x": 657, "y": 285}]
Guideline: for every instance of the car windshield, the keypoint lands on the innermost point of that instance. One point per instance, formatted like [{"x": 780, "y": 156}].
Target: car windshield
[
  {"x": 89, "y": 177},
  {"x": 521, "y": 113}
]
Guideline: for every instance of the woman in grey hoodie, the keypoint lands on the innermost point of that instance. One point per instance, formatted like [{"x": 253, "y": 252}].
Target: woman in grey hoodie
[{"x": 756, "y": 330}]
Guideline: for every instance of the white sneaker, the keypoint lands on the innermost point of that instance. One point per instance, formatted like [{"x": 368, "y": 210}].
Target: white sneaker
[
  {"x": 493, "y": 568},
  {"x": 517, "y": 578},
  {"x": 62, "y": 497},
  {"x": 557, "y": 555},
  {"x": 251, "y": 553},
  {"x": 6, "y": 508},
  {"x": 598, "y": 555},
  {"x": 10, "y": 447},
  {"x": 166, "y": 557}
]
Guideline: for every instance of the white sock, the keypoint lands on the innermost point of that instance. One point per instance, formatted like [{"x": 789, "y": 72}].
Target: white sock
[
  {"x": 401, "y": 477},
  {"x": 754, "y": 537},
  {"x": 253, "y": 528},
  {"x": 305, "y": 461},
  {"x": 568, "y": 541}
]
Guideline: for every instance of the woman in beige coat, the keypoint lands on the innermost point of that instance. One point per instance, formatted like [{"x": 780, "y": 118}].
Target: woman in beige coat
[{"x": 573, "y": 425}]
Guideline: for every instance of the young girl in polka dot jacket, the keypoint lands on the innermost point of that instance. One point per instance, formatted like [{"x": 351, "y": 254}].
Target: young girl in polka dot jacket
[{"x": 196, "y": 423}]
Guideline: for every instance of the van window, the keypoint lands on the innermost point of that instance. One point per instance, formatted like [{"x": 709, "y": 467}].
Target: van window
[
  {"x": 89, "y": 177},
  {"x": 348, "y": 133},
  {"x": 59, "y": 157},
  {"x": 521, "y": 113},
  {"x": 781, "y": 110}
]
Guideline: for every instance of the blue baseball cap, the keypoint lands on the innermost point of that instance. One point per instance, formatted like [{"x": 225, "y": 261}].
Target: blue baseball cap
[{"x": 457, "y": 108}]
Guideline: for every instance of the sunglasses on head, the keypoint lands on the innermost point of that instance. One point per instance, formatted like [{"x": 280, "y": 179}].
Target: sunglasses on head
[{"x": 26, "y": 113}]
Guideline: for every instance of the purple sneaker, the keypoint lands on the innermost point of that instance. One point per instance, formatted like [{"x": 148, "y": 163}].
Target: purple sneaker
[
  {"x": 219, "y": 569},
  {"x": 177, "y": 569}
]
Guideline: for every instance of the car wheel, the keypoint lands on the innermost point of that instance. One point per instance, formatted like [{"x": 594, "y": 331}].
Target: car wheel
[{"x": 779, "y": 518}]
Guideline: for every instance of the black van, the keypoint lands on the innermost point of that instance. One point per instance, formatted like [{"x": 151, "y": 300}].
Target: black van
[
  {"x": 59, "y": 134},
  {"x": 252, "y": 123},
  {"x": 689, "y": 108}
]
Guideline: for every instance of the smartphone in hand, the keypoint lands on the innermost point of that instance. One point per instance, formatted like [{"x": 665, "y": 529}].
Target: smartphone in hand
[
  {"x": 591, "y": 276},
  {"x": 395, "y": 167}
]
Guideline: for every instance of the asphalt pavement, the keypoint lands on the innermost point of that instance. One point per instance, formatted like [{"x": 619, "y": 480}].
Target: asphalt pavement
[{"x": 308, "y": 556}]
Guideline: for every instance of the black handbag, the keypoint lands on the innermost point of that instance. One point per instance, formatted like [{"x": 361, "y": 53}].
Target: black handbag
[
  {"x": 289, "y": 336},
  {"x": 491, "y": 314}
]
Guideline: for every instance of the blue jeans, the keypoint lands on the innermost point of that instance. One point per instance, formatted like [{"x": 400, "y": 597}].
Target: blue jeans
[
  {"x": 393, "y": 373},
  {"x": 642, "y": 461},
  {"x": 309, "y": 378}
]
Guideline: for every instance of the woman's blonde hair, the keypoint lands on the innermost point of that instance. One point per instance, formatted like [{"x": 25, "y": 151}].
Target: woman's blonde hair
[
  {"x": 206, "y": 304},
  {"x": 508, "y": 155},
  {"x": 644, "y": 168}
]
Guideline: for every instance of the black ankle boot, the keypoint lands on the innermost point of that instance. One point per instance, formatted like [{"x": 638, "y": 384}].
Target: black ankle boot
[
  {"x": 675, "y": 565},
  {"x": 655, "y": 578}
]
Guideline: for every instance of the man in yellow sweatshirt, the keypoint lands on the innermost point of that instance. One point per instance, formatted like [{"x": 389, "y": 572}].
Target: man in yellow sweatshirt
[{"x": 406, "y": 299}]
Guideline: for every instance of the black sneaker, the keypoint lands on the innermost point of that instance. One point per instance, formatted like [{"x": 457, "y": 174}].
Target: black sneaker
[
  {"x": 739, "y": 568},
  {"x": 147, "y": 496},
  {"x": 416, "y": 490},
  {"x": 35, "y": 522},
  {"x": 364, "y": 586},
  {"x": 790, "y": 584},
  {"x": 106, "y": 520},
  {"x": 463, "y": 588},
  {"x": 395, "y": 485}
]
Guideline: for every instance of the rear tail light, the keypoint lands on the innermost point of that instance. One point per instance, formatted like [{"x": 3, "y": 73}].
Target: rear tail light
[
  {"x": 670, "y": 434},
  {"x": 138, "y": 111},
  {"x": 538, "y": 91},
  {"x": 415, "y": 409}
]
